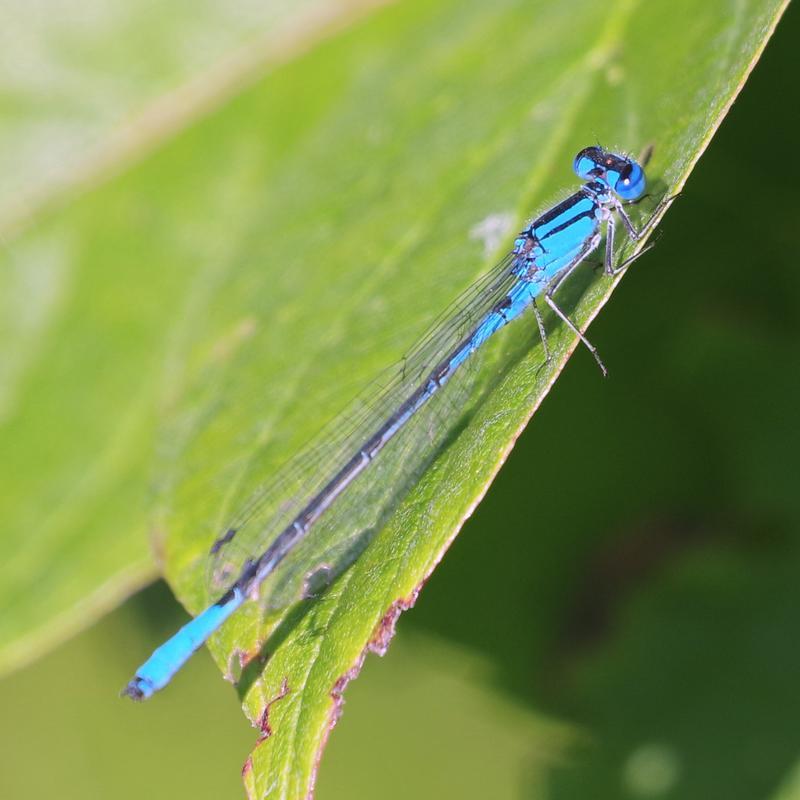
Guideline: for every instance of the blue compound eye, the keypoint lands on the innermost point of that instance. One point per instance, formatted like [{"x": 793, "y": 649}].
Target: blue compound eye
[{"x": 631, "y": 183}]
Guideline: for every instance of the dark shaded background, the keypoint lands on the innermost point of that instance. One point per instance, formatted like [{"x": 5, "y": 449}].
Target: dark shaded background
[{"x": 653, "y": 604}]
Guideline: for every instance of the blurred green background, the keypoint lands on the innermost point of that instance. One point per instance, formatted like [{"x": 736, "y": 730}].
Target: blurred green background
[{"x": 639, "y": 639}]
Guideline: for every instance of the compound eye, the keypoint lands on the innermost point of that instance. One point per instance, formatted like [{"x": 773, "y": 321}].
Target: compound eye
[{"x": 631, "y": 183}]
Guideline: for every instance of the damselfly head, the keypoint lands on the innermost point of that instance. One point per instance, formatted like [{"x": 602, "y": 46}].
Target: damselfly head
[{"x": 621, "y": 174}]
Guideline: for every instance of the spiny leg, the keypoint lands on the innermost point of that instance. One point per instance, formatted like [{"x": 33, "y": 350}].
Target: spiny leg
[
  {"x": 609, "y": 270},
  {"x": 629, "y": 260},
  {"x": 635, "y": 235},
  {"x": 553, "y": 287},
  {"x": 577, "y": 331},
  {"x": 542, "y": 331},
  {"x": 565, "y": 272},
  {"x": 608, "y": 263}
]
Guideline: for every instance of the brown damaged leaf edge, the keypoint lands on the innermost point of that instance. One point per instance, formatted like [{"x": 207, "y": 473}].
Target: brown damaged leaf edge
[
  {"x": 242, "y": 661},
  {"x": 379, "y": 644},
  {"x": 264, "y": 726}
]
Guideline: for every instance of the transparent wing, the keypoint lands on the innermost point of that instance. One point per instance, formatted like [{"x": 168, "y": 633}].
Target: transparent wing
[{"x": 337, "y": 538}]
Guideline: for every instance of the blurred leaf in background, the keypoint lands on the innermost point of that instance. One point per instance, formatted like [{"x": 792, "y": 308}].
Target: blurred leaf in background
[
  {"x": 86, "y": 87},
  {"x": 646, "y": 593}
]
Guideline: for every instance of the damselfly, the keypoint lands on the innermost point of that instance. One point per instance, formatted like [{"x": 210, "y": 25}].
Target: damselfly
[{"x": 339, "y": 478}]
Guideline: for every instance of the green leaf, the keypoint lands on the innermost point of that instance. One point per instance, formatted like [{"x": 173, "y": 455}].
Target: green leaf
[
  {"x": 366, "y": 221},
  {"x": 283, "y": 250}
]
